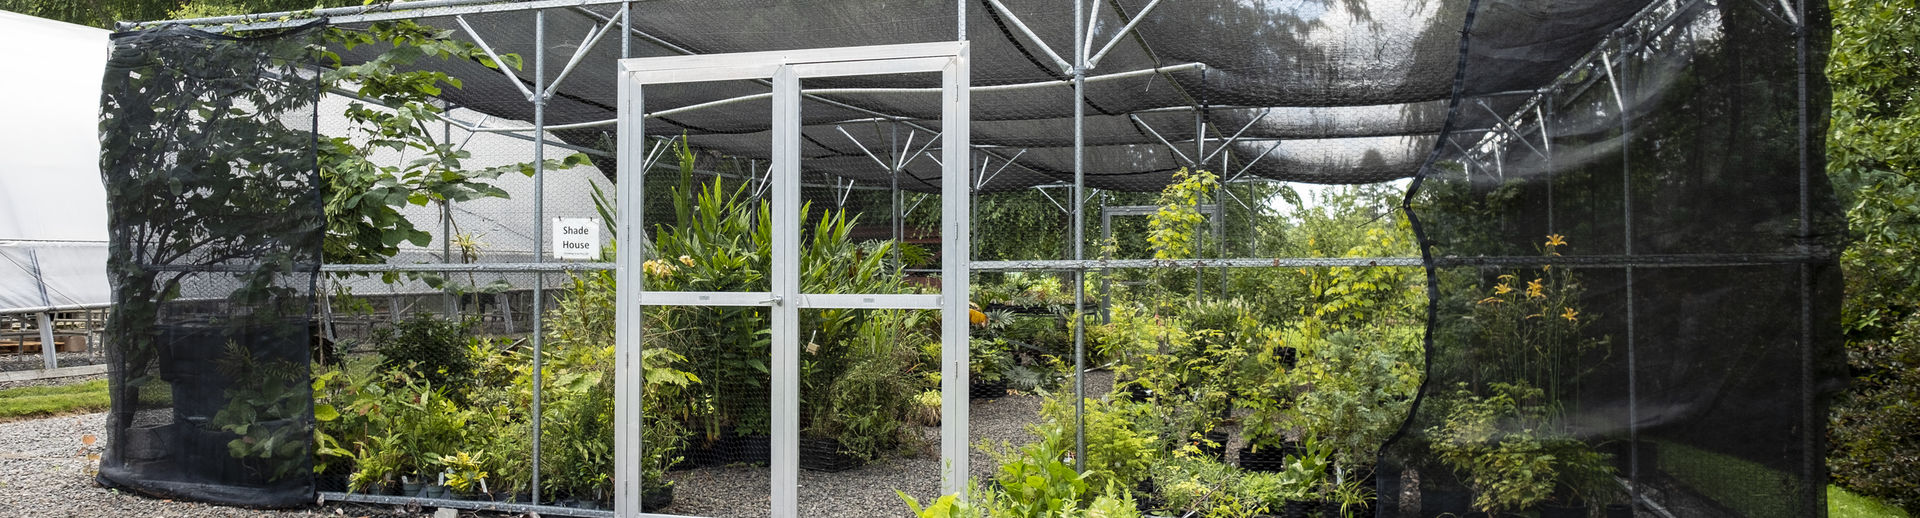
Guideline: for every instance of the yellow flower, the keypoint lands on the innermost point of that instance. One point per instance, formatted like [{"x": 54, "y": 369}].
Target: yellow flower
[
  {"x": 658, "y": 268},
  {"x": 686, "y": 261},
  {"x": 1491, "y": 300},
  {"x": 1535, "y": 290},
  {"x": 1502, "y": 289},
  {"x": 1556, "y": 240},
  {"x": 1571, "y": 315}
]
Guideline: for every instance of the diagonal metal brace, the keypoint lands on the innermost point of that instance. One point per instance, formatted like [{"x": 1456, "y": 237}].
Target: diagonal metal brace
[{"x": 502, "y": 65}]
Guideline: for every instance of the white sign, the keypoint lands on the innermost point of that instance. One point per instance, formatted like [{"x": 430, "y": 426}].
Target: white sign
[{"x": 576, "y": 238}]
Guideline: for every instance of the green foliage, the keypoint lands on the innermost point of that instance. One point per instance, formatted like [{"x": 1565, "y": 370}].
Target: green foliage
[
  {"x": 1171, "y": 229},
  {"x": 1504, "y": 445},
  {"x": 1533, "y": 328},
  {"x": 1035, "y": 481},
  {"x": 947, "y": 506},
  {"x": 435, "y": 350},
  {"x": 1845, "y": 504},
  {"x": 866, "y": 404},
  {"x": 397, "y": 107},
  {"x": 263, "y": 409},
  {"x": 1873, "y": 156},
  {"x": 1354, "y": 387},
  {"x": 34, "y": 402},
  {"x": 1201, "y": 486},
  {"x": 1876, "y": 426},
  {"x": 1118, "y": 454},
  {"x": 1504, "y": 464},
  {"x": 464, "y": 472}
]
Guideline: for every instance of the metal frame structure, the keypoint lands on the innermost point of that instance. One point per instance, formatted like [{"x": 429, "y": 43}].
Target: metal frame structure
[
  {"x": 785, "y": 300},
  {"x": 784, "y": 69}
]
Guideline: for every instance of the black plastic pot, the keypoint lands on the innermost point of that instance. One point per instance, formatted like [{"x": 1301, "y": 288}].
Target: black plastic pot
[
  {"x": 336, "y": 482},
  {"x": 987, "y": 390},
  {"x": 1301, "y": 509},
  {"x": 1145, "y": 499},
  {"x": 1218, "y": 448},
  {"x": 1435, "y": 502},
  {"x": 1553, "y": 510},
  {"x": 655, "y": 498},
  {"x": 148, "y": 443},
  {"x": 826, "y": 455},
  {"x": 1134, "y": 393},
  {"x": 1289, "y": 357},
  {"x": 1622, "y": 461},
  {"x": 700, "y": 454},
  {"x": 749, "y": 449},
  {"x": 1619, "y": 511},
  {"x": 1266, "y": 460}
]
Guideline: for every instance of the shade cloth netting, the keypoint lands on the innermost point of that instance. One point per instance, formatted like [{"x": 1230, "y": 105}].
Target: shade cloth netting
[
  {"x": 1669, "y": 145},
  {"x": 215, "y": 226},
  {"x": 1352, "y": 92},
  {"x": 1642, "y": 264}
]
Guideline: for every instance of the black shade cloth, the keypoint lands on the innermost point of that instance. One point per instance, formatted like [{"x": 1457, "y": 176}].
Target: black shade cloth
[
  {"x": 1688, "y": 135},
  {"x": 215, "y": 222},
  {"x": 1317, "y": 69}
]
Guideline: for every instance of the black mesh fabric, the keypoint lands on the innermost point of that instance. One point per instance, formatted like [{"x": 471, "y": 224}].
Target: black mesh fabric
[
  {"x": 215, "y": 225},
  {"x": 1352, "y": 87},
  {"x": 1649, "y": 244}
]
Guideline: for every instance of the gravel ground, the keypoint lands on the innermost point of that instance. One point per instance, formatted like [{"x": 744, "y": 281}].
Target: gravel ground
[
  {"x": 20, "y": 362},
  {"x": 741, "y": 491},
  {"x": 48, "y": 382},
  {"x": 44, "y": 472}
]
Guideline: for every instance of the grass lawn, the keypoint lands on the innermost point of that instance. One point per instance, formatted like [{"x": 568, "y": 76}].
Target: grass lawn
[
  {"x": 34, "y": 402},
  {"x": 1844, "y": 504}
]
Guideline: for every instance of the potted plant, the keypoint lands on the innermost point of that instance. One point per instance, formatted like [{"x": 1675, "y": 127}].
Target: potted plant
[
  {"x": 464, "y": 474},
  {"x": 1265, "y": 430},
  {"x": 990, "y": 359},
  {"x": 1493, "y": 443}
]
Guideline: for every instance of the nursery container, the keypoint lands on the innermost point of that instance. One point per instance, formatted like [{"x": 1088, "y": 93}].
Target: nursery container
[
  {"x": 826, "y": 455},
  {"x": 655, "y": 498},
  {"x": 749, "y": 449},
  {"x": 987, "y": 390}
]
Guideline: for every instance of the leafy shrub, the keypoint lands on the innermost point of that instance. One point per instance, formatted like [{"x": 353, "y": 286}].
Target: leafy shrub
[
  {"x": 1117, "y": 453},
  {"x": 434, "y": 350},
  {"x": 1875, "y": 428}
]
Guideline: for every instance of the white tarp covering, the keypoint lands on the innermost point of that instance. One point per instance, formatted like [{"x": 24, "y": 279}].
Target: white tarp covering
[{"x": 53, "y": 209}]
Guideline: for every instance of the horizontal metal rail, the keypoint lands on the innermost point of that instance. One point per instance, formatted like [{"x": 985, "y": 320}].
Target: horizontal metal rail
[
  {"x": 475, "y": 505},
  {"x": 1594, "y": 261},
  {"x": 368, "y": 13},
  {"x": 56, "y": 308},
  {"x": 859, "y": 91},
  {"x": 468, "y": 267},
  {"x": 1589, "y": 261}
]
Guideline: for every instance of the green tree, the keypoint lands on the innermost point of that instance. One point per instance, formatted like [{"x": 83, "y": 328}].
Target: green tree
[
  {"x": 103, "y": 13},
  {"x": 1873, "y": 156}
]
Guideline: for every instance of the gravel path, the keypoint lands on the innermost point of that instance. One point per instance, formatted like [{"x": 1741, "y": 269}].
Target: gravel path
[
  {"x": 44, "y": 473},
  {"x": 741, "y": 491}
]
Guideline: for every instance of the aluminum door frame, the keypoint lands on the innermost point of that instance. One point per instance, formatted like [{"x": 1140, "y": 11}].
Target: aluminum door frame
[{"x": 785, "y": 69}]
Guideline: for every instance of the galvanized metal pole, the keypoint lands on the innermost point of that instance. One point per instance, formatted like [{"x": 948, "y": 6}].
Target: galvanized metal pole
[
  {"x": 446, "y": 216},
  {"x": 630, "y": 382},
  {"x": 893, "y": 186},
  {"x": 1811, "y": 453},
  {"x": 539, "y": 225},
  {"x": 1079, "y": 235},
  {"x": 48, "y": 355}
]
